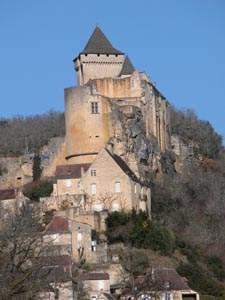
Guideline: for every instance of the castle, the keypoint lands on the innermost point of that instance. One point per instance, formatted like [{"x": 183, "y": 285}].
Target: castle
[
  {"x": 115, "y": 119},
  {"x": 117, "y": 123}
]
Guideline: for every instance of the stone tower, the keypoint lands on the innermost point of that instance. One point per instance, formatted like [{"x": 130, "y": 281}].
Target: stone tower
[
  {"x": 99, "y": 59},
  {"x": 110, "y": 90}
]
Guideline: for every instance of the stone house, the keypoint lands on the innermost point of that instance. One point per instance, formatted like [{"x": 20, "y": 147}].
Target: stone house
[
  {"x": 59, "y": 285},
  {"x": 106, "y": 184},
  {"x": 69, "y": 238},
  {"x": 10, "y": 201},
  {"x": 93, "y": 284},
  {"x": 166, "y": 284}
]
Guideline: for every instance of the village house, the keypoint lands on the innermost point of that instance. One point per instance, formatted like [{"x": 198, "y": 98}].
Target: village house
[
  {"x": 68, "y": 237},
  {"x": 166, "y": 284},
  {"x": 106, "y": 184},
  {"x": 93, "y": 284},
  {"x": 10, "y": 201}
]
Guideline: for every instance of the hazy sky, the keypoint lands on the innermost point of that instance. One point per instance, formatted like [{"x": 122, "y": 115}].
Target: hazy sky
[{"x": 180, "y": 44}]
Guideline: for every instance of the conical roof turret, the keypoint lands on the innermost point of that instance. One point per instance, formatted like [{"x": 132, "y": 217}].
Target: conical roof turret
[
  {"x": 127, "y": 68},
  {"x": 99, "y": 44}
]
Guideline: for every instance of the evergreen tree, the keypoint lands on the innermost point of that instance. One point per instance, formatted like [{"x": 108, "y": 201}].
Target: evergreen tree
[{"x": 37, "y": 169}]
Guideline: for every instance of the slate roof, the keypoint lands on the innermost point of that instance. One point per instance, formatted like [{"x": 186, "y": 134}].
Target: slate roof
[
  {"x": 163, "y": 276},
  {"x": 70, "y": 171},
  {"x": 8, "y": 194},
  {"x": 94, "y": 276},
  {"x": 58, "y": 224},
  {"x": 58, "y": 260},
  {"x": 54, "y": 274},
  {"x": 170, "y": 275},
  {"x": 99, "y": 44},
  {"x": 121, "y": 163},
  {"x": 127, "y": 68}
]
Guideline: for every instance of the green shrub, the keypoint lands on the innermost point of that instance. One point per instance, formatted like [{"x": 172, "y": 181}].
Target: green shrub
[
  {"x": 215, "y": 264},
  {"x": 137, "y": 230},
  {"x": 47, "y": 217},
  {"x": 38, "y": 189},
  {"x": 201, "y": 281}
]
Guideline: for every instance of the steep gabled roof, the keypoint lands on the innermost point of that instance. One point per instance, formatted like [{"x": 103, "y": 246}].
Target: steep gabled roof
[
  {"x": 123, "y": 166},
  {"x": 58, "y": 224},
  {"x": 127, "y": 68},
  {"x": 166, "y": 279},
  {"x": 99, "y": 44},
  {"x": 175, "y": 280}
]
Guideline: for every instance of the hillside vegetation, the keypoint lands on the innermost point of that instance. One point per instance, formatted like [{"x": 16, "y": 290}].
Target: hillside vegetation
[
  {"x": 191, "y": 204},
  {"x": 20, "y": 135},
  {"x": 188, "y": 208}
]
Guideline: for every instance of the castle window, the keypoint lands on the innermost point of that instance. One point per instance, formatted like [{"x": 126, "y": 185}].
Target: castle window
[
  {"x": 93, "y": 172},
  {"x": 94, "y": 107},
  {"x": 68, "y": 183},
  {"x": 117, "y": 187},
  {"x": 93, "y": 188}
]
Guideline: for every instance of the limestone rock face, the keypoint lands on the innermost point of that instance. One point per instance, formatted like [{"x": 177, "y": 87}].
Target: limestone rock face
[{"x": 131, "y": 143}]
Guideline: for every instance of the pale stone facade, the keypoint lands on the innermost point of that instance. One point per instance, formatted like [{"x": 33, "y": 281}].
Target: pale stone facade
[
  {"x": 107, "y": 184},
  {"x": 69, "y": 237}
]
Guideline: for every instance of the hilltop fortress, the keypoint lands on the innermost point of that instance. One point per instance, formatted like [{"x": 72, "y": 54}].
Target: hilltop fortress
[
  {"x": 117, "y": 124},
  {"x": 117, "y": 129},
  {"x": 109, "y": 91}
]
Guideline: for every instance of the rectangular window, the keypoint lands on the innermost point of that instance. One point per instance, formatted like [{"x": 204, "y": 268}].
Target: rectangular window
[
  {"x": 93, "y": 172},
  {"x": 167, "y": 296},
  {"x": 117, "y": 187},
  {"x": 93, "y": 189},
  {"x": 68, "y": 183},
  {"x": 135, "y": 188},
  {"x": 115, "y": 207},
  {"x": 94, "y": 107}
]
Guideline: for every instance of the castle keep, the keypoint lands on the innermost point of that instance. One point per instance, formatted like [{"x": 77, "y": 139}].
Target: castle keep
[{"x": 108, "y": 87}]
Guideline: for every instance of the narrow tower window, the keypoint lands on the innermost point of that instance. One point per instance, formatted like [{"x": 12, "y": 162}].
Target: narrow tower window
[{"x": 94, "y": 107}]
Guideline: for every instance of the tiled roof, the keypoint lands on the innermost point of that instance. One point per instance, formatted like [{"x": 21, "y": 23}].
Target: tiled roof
[
  {"x": 127, "y": 68},
  {"x": 121, "y": 163},
  {"x": 60, "y": 260},
  {"x": 54, "y": 274},
  {"x": 170, "y": 275},
  {"x": 70, "y": 171},
  {"x": 58, "y": 224},
  {"x": 8, "y": 194},
  {"x": 99, "y": 44},
  {"x": 167, "y": 276},
  {"x": 94, "y": 276}
]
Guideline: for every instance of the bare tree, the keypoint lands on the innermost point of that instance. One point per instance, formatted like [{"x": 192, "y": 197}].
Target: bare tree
[
  {"x": 137, "y": 273},
  {"x": 20, "y": 248}
]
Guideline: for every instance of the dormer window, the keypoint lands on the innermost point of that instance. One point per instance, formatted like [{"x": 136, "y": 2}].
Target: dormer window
[
  {"x": 167, "y": 284},
  {"x": 94, "y": 107}
]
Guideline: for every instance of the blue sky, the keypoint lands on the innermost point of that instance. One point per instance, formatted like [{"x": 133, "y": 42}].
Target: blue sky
[{"x": 180, "y": 44}]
